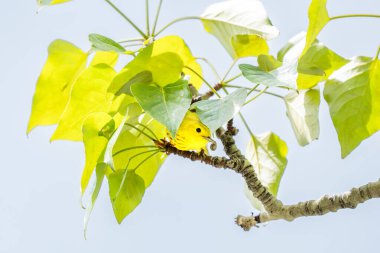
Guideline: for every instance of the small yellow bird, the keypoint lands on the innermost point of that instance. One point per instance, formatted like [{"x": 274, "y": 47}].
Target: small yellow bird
[{"x": 192, "y": 134}]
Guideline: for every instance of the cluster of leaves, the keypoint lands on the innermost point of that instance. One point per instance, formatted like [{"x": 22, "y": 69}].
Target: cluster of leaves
[{"x": 119, "y": 114}]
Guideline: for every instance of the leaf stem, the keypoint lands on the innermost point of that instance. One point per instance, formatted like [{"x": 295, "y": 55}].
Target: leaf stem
[
  {"x": 204, "y": 80},
  {"x": 140, "y": 131},
  {"x": 126, "y": 18},
  {"x": 377, "y": 53},
  {"x": 229, "y": 70},
  {"x": 132, "y": 148},
  {"x": 256, "y": 96},
  {"x": 176, "y": 21},
  {"x": 131, "y": 40},
  {"x": 147, "y": 18},
  {"x": 355, "y": 16},
  {"x": 146, "y": 159},
  {"x": 246, "y": 124},
  {"x": 253, "y": 89},
  {"x": 156, "y": 19},
  {"x": 233, "y": 78},
  {"x": 212, "y": 67}
]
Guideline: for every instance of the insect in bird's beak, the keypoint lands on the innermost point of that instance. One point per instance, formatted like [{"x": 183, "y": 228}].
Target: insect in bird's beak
[
  {"x": 213, "y": 142},
  {"x": 209, "y": 139}
]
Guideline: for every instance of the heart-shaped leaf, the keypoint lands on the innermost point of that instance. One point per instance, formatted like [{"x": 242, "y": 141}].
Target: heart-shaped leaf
[
  {"x": 216, "y": 113},
  {"x": 352, "y": 93},
  {"x": 63, "y": 65},
  {"x": 126, "y": 190},
  {"x": 168, "y": 104},
  {"x": 236, "y": 24}
]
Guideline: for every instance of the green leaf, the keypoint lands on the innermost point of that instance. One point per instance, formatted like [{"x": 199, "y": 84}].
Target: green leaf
[
  {"x": 100, "y": 172},
  {"x": 133, "y": 148},
  {"x": 267, "y": 153},
  {"x": 283, "y": 76},
  {"x": 353, "y": 93},
  {"x": 166, "y": 58},
  {"x": 126, "y": 190},
  {"x": 64, "y": 63},
  {"x": 102, "y": 43},
  {"x": 144, "y": 77},
  {"x": 96, "y": 131},
  {"x": 216, "y": 113},
  {"x": 228, "y": 20},
  {"x": 167, "y": 104},
  {"x": 318, "y": 18},
  {"x": 268, "y": 62},
  {"x": 88, "y": 95},
  {"x": 51, "y": 2},
  {"x": 302, "y": 109}
]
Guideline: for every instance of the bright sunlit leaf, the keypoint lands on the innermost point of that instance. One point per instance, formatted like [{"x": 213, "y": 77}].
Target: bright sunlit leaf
[
  {"x": 314, "y": 66},
  {"x": 64, "y": 63},
  {"x": 302, "y": 109},
  {"x": 96, "y": 129},
  {"x": 133, "y": 148},
  {"x": 215, "y": 113},
  {"x": 166, "y": 58},
  {"x": 249, "y": 45},
  {"x": 51, "y": 2},
  {"x": 88, "y": 95},
  {"x": 353, "y": 93},
  {"x": 167, "y": 105},
  {"x": 318, "y": 18},
  {"x": 267, "y": 153},
  {"x": 233, "y": 23},
  {"x": 268, "y": 62},
  {"x": 126, "y": 190},
  {"x": 102, "y": 57}
]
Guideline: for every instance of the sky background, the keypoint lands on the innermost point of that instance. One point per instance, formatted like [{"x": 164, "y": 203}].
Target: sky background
[{"x": 190, "y": 207}]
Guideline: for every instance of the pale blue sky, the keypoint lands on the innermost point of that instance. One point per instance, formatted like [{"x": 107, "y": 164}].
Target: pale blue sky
[{"x": 189, "y": 207}]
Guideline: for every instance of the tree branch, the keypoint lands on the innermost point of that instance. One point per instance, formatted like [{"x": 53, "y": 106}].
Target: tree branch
[{"x": 324, "y": 205}]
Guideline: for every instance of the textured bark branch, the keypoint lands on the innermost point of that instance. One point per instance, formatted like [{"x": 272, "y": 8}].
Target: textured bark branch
[
  {"x": 274, "y": 209},
  {"x": 324, "y": 205}
]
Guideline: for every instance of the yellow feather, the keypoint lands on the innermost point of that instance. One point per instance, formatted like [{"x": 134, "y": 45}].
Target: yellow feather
[{"x": 192, "y": 134}]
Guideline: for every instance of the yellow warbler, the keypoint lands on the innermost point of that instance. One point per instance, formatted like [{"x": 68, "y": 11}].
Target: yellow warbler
[{"x": 192, "y": 134}]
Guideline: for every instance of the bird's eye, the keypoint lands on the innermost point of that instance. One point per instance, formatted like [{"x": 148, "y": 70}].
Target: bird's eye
[{"x": 198, "y": 130}]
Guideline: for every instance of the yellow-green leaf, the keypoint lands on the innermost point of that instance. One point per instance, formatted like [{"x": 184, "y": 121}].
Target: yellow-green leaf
[
  {"x": 88, "y": 95},
  {"x": 96, "y": 130},
  {"x": 268, "y": 62},
  {"x": 166, "y": 59},
  {"x": 133, "y": 147},
  {"x": 249, "y": 45},
  {"x": 126, "y": 190},
  {"x": 267, "y": 153},
  {"x": 102, "y": 57},
  {"x": 241, "y": 26},
  {"x": 353, "y": 93},
  {"x": 318, "y": 18},
  {"x": 51, "y": 2},
  {"x": 64, "y": 63}
]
